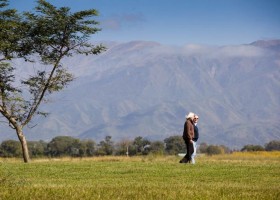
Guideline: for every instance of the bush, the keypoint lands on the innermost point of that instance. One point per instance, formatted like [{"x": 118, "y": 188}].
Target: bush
[
  {"x": 251, "y": 147},
  {"x": 273, "y": 145},
  {"x": 37, "y": 149},
  {"x": 174, "y": 145},
  {"x": 10, "y": 148},
  {"x": 214, "y": 150}
]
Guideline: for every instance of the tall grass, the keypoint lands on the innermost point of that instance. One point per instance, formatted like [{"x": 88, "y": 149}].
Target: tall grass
[{"x": 235, "y": 176}]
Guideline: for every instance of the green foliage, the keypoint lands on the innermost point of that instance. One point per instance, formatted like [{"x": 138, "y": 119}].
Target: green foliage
[
  {"x": 11, "y": 32},
  {"x": 214, "y": 150},
  {"x": 140, "y": 146},
  {"x": 6, "y": 79},
  {"x": 251, "y": 147},
  {"x": 10, "y": 96},
  {"x": 63, "y": 145},
  {"x": 10, "y": 148},
  {"x": 69, "y": 146},
  {"x": 56, "y": 32},
  {"x": 105, "y": 147},
  {"x": 37, "y": 148},
  {"x": 174, "y": 145},
  {"x": 157, "y": 147},
  {"x": 273, "y": 145},
  {"x": 87, "y": 148}
]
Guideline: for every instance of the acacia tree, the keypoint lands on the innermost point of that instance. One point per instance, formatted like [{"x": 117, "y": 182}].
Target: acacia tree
[{"x": 47, "y": 35}]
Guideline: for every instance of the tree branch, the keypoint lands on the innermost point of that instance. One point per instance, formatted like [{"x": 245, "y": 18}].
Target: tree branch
[
  {"x": 8, "y": 116},
  {"x": 35, "y": 106}
]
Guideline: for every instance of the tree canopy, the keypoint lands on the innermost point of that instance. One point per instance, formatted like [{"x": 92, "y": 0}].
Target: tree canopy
[{"x": 44, "y": 36}]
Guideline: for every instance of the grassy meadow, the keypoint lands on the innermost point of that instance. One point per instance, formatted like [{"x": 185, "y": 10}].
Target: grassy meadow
[{"x": 235, "y": 176}]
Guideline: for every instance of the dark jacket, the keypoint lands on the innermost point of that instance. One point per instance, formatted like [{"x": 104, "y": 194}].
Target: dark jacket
[
  {"x": 188, "y": 133},
  {"x": 196, "y": 134}
]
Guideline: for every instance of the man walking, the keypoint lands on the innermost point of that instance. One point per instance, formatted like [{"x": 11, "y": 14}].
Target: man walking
[
  {"x": 188, "y": 135},
  {"x": 195, "y": 138}
]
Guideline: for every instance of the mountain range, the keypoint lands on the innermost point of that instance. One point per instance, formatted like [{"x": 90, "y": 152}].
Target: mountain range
[{"x": 143, "y": 88}]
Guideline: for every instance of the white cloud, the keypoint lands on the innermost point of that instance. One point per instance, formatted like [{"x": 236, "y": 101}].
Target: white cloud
[
  {"x": 241, "y": 50},
  {"x": 224, "y": 51}
]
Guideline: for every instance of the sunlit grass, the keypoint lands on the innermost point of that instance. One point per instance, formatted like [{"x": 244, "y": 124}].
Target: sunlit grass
[
  {"x": 257, "y": 154},
  {"x": 234, "y": 176}
]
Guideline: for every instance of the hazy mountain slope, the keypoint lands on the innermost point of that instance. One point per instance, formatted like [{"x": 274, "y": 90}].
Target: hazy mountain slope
[{"x": 145, "y": 89}]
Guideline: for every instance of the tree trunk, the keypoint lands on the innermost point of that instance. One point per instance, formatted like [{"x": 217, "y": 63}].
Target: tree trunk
[{"x": 24, "y": 146}]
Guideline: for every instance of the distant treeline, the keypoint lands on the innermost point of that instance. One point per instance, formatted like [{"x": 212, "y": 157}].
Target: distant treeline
[{"x": 68, "y": 146}]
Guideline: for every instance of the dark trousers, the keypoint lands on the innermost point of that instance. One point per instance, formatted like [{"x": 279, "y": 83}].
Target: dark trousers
[{"x": 190, "y": 150}]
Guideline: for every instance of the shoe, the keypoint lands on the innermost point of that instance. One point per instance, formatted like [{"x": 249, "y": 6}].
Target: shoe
[{"x": 183, "y": 161}]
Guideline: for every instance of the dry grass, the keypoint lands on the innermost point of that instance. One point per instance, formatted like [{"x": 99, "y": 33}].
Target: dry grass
[{"x": 235, "y": 176}]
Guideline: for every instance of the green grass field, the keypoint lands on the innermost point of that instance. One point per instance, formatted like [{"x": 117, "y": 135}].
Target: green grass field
[{"x": 234, "y": 176}]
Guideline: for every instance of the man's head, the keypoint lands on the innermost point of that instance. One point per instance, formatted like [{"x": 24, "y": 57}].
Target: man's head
[
  {"x": 190, "y": 116},
  {"x": 195, "y": 119}
]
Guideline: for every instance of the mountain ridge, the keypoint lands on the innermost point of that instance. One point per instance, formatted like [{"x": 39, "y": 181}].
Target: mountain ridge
[{"x": 145, "y": 89}]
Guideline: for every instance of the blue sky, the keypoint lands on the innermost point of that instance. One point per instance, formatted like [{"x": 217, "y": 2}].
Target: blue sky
[{"x": 179, "y": 22}]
